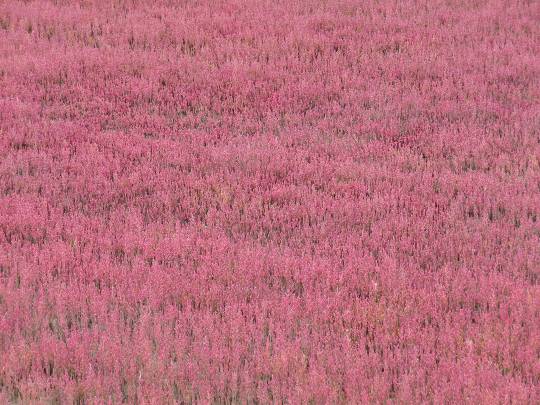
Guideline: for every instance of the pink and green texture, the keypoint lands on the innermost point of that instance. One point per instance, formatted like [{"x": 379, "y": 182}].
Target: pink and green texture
[{"x": 270, "y": 201}]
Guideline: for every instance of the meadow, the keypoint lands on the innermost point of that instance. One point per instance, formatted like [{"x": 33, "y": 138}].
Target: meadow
[{"x": 288, "y": 201}]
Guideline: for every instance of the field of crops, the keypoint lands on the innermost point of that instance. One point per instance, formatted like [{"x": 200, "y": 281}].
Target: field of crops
[{"x": 288, "y": 201}]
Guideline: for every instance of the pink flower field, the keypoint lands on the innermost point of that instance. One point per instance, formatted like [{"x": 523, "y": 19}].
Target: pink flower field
[{"x": 270, "y": 202}]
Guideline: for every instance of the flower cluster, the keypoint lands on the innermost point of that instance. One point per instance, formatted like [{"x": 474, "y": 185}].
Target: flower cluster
[{"x": 287, "y": 201}]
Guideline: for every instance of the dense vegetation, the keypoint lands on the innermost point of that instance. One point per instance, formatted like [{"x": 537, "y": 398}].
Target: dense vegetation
[{"x": 270, "y": 201}]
